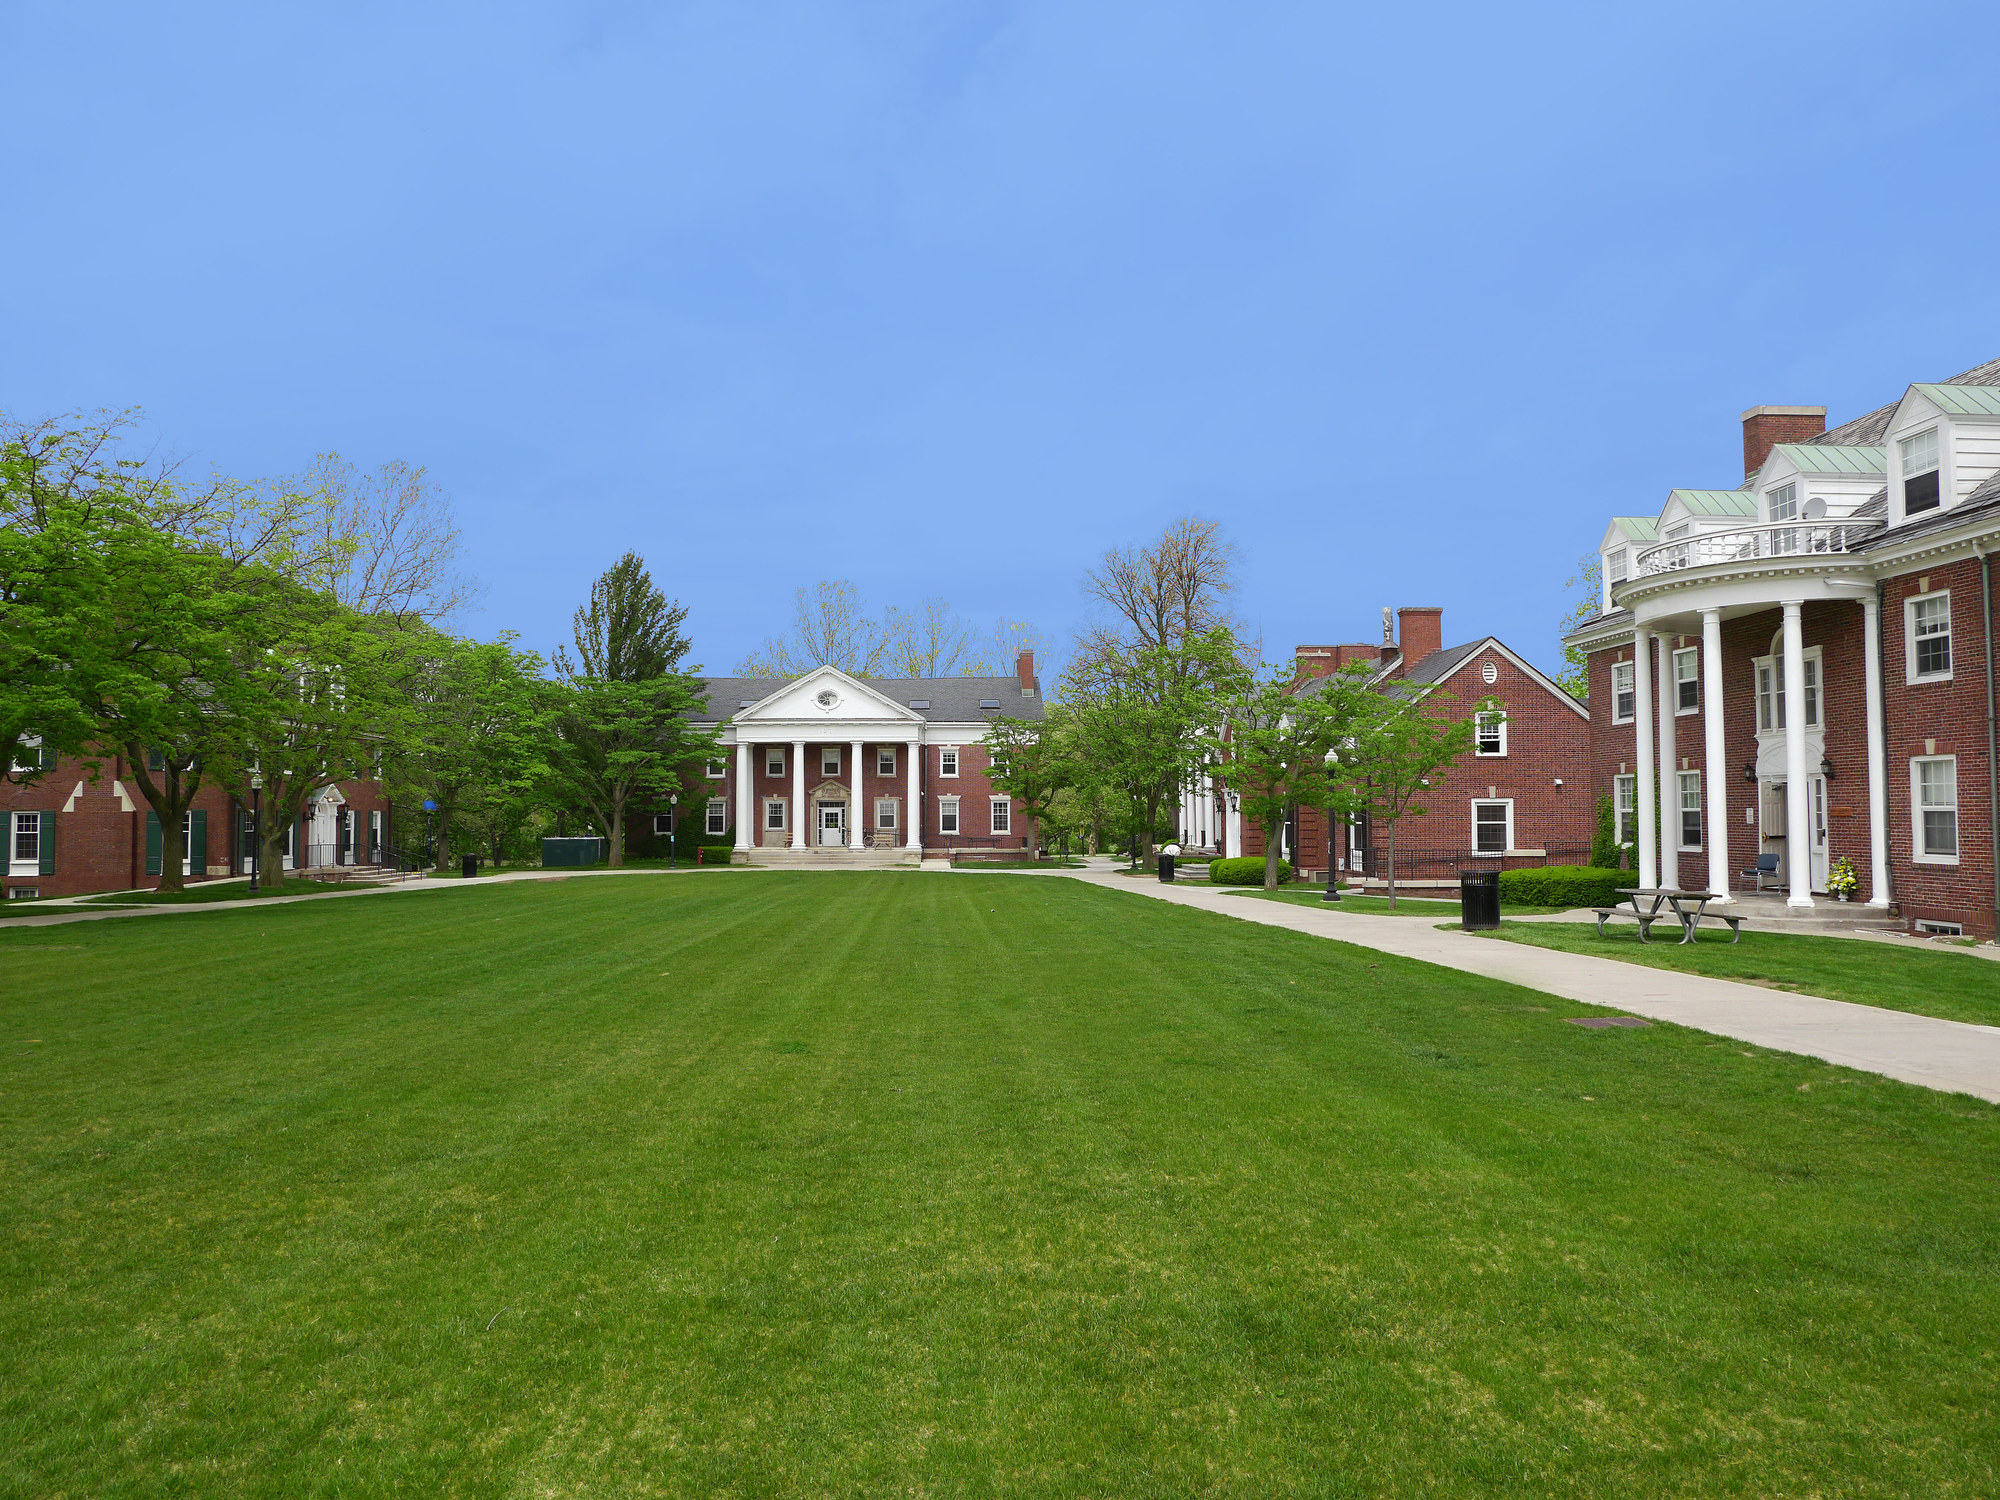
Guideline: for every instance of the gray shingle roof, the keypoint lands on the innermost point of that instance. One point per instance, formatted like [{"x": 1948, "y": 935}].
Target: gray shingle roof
[
  {"x": 1434, "y": 667},
  {"x": 953, "y": 700},
  {"x": 1872, "y": 428},
  {"x": 1983, "y": 504}
]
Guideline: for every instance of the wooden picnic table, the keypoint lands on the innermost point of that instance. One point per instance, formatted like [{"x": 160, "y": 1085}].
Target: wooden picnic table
[{"x": 1688, "y": 907}]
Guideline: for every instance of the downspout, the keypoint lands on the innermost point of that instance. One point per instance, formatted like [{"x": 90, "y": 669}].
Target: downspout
[{"x": 1992, "y": 770}]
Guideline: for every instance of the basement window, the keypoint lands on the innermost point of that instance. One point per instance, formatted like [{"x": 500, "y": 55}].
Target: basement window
[{"x": 1936, "y": 929}]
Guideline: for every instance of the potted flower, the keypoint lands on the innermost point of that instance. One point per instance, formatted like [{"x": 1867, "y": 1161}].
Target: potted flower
[{"x": 1841, "y": 879}]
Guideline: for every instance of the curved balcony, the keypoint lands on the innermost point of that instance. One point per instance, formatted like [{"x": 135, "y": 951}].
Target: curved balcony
[{"x": 1754, "y": 543}]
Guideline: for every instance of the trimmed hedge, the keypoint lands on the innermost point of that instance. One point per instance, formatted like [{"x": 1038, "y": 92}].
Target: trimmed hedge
[
  {"x": 1563, "y": 885},
  {"x": 1246, "y": 871}
]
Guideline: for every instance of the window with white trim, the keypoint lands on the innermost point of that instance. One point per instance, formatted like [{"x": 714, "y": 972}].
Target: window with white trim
[
  {"x": 1623, "y": 698},
  {"x": 1617, "y": 563},
  {"x": 1934, "y": 807},
  {"x": 23, "y": 893},
  {"x": 1770, "y": 680},
  {"x": 885, "y": 760},
  {"x": 718, "y": 815},
  {"x": 1687, "y": 681},
  {"x": 1783, "y": 502},
  {"x": 1489, "y": 734},
  {"x": 829, "y": 760},
  {"x": 715, "y": 770},
  {"x": 1812, "y": 690},
  {"x": 885, "y": 814},
  {"x": 1928, "y": 618},
  {"x": 774, "y": 812},
  {"x": 29, "y": 756},
  {"x": 1492, "y": 827},
  {"x": 947, "y": 815},
  {"x": 1690, "y": 799},
  {"x": 1625, "y": 802},
  {"x": 774, "y": 760},
  {"x": 663, "y": 824},
  {"x": 27, "y": 842},
  {"x": 948, "y": 760},
  {"x": 1003, "y": 815},
  {"x": 1919, "y": 454}
]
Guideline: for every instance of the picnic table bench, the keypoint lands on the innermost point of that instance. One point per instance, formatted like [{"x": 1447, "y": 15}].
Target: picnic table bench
[{"x": 1688, "y": 908}]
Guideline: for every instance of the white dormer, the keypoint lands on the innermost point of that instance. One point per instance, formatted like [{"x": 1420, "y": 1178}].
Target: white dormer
[
  {"x": 1623, "y": 540},
  {"x": 1944, "y": 442},
  {"x": 1816, "y": 481}
]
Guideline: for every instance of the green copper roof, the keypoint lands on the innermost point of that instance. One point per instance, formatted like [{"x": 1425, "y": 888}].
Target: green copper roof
[
  {"x": 1963, "y": 400},
  {"x": 1715, "y": 502},
  {"x": 1638, "y": 528},
  {"x": 1825, "y": 458}
]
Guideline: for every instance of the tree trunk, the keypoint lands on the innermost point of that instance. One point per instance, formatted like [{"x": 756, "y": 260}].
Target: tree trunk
[
  {"x": 443, "y": 865},
  {"x": 1271, "y": 854},
  {"x": 173, "y": 847},
  {"x": 272, "y": 821},
  {"x": 1392, "y": 867},
  {"x": 616, "y": 853}
]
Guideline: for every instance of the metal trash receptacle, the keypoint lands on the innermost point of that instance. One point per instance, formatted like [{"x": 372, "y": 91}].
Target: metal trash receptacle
[
  {"x": 1166, "y": 869},
  {"x": 1479, "y": 899},
  {"x": 468, "y": 865}
]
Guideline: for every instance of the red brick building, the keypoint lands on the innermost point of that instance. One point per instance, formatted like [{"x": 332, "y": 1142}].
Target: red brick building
[
  {"x": 1520, "y": 798},
  {"x": 71, "y": 832},
  {"x": 1797, "y": 672},
  {"x": 863, "y": 770}
]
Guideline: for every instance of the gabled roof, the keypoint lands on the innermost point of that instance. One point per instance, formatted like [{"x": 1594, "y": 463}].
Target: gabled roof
[
  {"x": 1962, "y": 400},
  {"x": 1835, "y": 458},
  {"x": 1436, "y": 668},
  {"x": 952, "y": 700},
  {"x": 1637, "y": 528},
  {"x": 1715, "y": 502}
]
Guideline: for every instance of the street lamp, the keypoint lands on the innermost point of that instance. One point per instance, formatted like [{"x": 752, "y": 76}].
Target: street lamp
[
  {"x": 673, "y": 801},
  {"x": 256, "y": 826},
  {"x": 1332, "y": 890}
]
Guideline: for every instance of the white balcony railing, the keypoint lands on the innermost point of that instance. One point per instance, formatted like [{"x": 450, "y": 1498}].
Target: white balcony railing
[{"x": 1752, "y": 543}]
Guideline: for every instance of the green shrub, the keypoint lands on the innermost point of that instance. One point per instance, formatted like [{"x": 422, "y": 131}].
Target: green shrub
[
  {"x": 1563, "y": 885},
  {"x": 1604, "y": 852},
  {"x": 1246, "y": 871}
]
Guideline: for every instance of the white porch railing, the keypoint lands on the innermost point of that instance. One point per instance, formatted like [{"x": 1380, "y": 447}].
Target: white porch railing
[{"x": 1751, "y": 543}]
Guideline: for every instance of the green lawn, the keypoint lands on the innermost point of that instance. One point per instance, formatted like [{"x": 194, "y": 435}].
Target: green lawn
[
  {"x": 202, "y": 892},
  {"x": 879, "y": 1184},
  {"x": 1378, "y": 906},
  {"x": 1952, "y": 986}
]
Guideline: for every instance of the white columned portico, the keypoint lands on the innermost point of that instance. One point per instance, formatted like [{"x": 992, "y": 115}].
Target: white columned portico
[
  {"x": 745, "y": 810},
  {"x": 1798, "y": 833},
  {"x": 857, "y": 815},
  {"x": 913, "y": 813},
  {"x": 799, "y": 813},
  {"x": 1878, "y": 757},
  {"x": 1670, "y": 782},
  {"x": 1642, "y": 708},
  {"x": 1715, "y": 779}
]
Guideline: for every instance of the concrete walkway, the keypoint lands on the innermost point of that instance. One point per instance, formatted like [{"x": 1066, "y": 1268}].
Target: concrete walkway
[{"x": 1952, "y": 1056}]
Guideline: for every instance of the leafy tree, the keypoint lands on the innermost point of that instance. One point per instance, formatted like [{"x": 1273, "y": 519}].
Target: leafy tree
[
  {"x": 1586, "y": 587},
  {"x": 1395, "y": 757},
  {"x": 1275, "y": 742},
  {"x": 629, "y": 632},
  {"x": 1034, "y": 762}
]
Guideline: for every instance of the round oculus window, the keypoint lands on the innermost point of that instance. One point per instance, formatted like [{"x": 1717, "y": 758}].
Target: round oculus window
[{"x": 827, "y": 699}]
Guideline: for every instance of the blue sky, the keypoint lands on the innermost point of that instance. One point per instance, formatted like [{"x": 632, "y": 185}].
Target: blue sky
[{"x": 948, "y": 298}]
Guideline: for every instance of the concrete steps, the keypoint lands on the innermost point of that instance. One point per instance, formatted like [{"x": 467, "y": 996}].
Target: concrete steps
[{"x": 836, "y": 859}]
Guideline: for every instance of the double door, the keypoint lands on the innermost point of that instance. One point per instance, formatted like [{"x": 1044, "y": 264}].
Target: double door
[
  {"x": 832, "y": 825},
  {"x": 1775, "y": 832}
]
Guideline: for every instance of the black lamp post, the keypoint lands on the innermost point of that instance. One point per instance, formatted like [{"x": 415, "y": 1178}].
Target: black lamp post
[
  {"x": 256, "y": 827},
  {"x": 673, "y": 801},
  {"x": 1332, "y": 890}
]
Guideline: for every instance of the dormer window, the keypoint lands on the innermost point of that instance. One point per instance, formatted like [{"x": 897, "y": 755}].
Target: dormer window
[
  {"x": 1616, "y": 563},
  {"x": 1784, "y": 502},
  {"x": 1920, "y": 471}
]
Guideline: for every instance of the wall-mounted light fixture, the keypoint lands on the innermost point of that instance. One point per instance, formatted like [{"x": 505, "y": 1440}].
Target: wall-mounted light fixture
[
  {"x": 1750, "y": 771},
  {"x": 1826, "y": 767}
]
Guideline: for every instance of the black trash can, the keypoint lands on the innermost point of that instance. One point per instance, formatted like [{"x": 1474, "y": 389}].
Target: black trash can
[
  {"x": 1166, "y": 869},
  {"x": 468, "y": 865},
  {"x": 1479, "y": 898}
]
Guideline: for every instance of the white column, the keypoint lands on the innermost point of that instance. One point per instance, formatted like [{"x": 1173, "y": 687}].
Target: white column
[
  {"x": 1878, "y": 758},
  {"x": 913, "y": 813},
  {"x": 1670, "y": 765},
  {"x": 746, "y": 805},
  {"x": 798, "y": 794},
  {"x": 1798, "y": 833},
  {"x": 857, "y": 815},
  {"x": 1642, "y": 700},
  {"x": 1715, "y": 780}
]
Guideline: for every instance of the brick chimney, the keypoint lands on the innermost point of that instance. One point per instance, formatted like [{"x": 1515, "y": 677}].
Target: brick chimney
[
  {"x": 1324, "y": 661},
  {"x": 1764, "y": 427},
  {"x": 1024, "y": 668},
  {"x": 1419, "y": 631}
]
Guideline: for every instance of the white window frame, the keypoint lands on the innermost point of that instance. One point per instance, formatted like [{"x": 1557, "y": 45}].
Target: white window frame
[
  {"x": 1688, "y": 784},
  {"x": 829, "y": 760},
  {"x": 1918, "y": 842},
  {"x": 1629, "y": 670},
  {"x": 1910, "y": 673},
  {"x": 716, "y": 819},
  {"x": 887, "y": 814},
  {"x": 1507, "y": 826},
  {"x": 1690, "y": 657},
  {"x": 663, "y": 823},
  {"x": 1625, "y": 808},
  {"x": 774, "y": 760},
  {"x": 1785, "y": 496},
  {"x": 948, "y": 760},
  {"x": 30, "y": 746},
  {"x": 948, "y": 815},
  {"x": 885, "y": 760},
  {"x": 775, "y": 805},
  {"x": 24, "y": 893},
  {"x": 1771, "y": 715},
  {"x": 715, "y": 770},
  {"x": 1616, "y": 562},
  {"x": 17, "y": 864},
  {"x": 1479, "y": 723},
  {"x": 1000, "y": 814}
]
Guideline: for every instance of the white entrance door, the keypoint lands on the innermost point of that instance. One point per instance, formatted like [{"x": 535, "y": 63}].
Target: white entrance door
[
  {"x": 832, "y": 824},
  {"x": 1816, "y": 827},
  {"x": 323, "y": 835},
  {"x": 1771, "y": 813}
]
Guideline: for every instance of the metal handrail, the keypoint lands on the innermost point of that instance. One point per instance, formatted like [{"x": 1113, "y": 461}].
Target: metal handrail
[{"x": 1751, "y": 543}]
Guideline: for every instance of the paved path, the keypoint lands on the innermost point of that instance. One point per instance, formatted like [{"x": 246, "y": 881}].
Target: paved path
[{"x": 1953, "y": 1056}]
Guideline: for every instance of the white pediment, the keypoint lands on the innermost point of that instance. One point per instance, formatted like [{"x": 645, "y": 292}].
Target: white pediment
[{"x": 827, "y": 695}]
